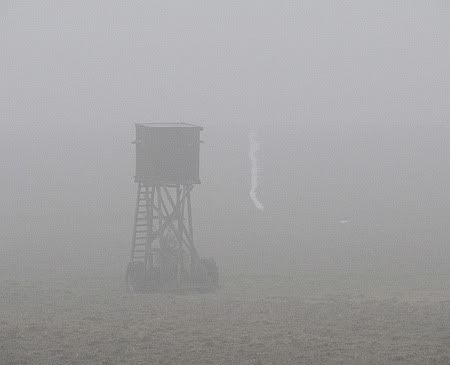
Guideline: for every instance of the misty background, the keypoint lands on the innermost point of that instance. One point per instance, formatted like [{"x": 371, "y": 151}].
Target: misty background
[{"x": 349, "y": 99}]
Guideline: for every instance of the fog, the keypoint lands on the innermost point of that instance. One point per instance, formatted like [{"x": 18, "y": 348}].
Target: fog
[
  {"x": 324, "y": 196},
  {"x": 349, "y": 100}
]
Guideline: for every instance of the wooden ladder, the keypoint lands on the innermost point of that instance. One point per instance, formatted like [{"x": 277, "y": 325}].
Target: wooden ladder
[{"x": 143, "y": 219}]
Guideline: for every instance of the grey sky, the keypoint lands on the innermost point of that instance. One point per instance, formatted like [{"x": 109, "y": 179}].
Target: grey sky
[{"x": 349, "y": 98}]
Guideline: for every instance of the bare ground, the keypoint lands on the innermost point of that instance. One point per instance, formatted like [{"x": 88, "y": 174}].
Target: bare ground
[{"x": 307, "y": 319}]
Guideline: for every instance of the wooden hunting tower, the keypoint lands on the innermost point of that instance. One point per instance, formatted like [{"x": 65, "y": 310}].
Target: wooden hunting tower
[{"x": 163, "y": 254}]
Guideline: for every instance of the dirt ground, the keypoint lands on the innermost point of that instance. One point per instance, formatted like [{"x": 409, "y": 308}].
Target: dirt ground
[{"x": 306, "y": 319}]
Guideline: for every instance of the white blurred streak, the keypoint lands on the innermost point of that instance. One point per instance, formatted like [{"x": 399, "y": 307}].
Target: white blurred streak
[{"x": 254, "y": 148}]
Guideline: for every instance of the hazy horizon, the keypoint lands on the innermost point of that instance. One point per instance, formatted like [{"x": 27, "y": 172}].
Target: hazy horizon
[{"x": 350, "y": 102}]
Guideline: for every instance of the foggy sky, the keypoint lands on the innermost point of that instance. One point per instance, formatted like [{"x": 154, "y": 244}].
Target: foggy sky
[{"x": 350, "y": 100}]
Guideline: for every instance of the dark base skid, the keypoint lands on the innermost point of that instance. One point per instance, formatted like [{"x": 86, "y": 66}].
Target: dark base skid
[{"x": 204, "y": 279}]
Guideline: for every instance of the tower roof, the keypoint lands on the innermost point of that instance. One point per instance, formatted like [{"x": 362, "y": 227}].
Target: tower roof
[{"x": 169, "y": 125}]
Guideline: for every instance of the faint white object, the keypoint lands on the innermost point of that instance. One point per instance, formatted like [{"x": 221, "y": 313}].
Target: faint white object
[{"x": 254, "y": 148}]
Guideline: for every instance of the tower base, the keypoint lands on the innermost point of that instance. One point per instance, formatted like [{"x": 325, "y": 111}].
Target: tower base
[{"x": 163, "y": 255}]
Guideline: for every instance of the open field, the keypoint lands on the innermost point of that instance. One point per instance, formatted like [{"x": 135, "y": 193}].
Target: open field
[{"x": 307, "y": 319}]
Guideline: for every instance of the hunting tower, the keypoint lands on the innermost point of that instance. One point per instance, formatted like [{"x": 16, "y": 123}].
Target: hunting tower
[{"x": 163, "y": 254}]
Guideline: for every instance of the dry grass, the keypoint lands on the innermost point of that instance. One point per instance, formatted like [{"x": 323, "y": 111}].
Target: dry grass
[{"x": 251, "y": 320}]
